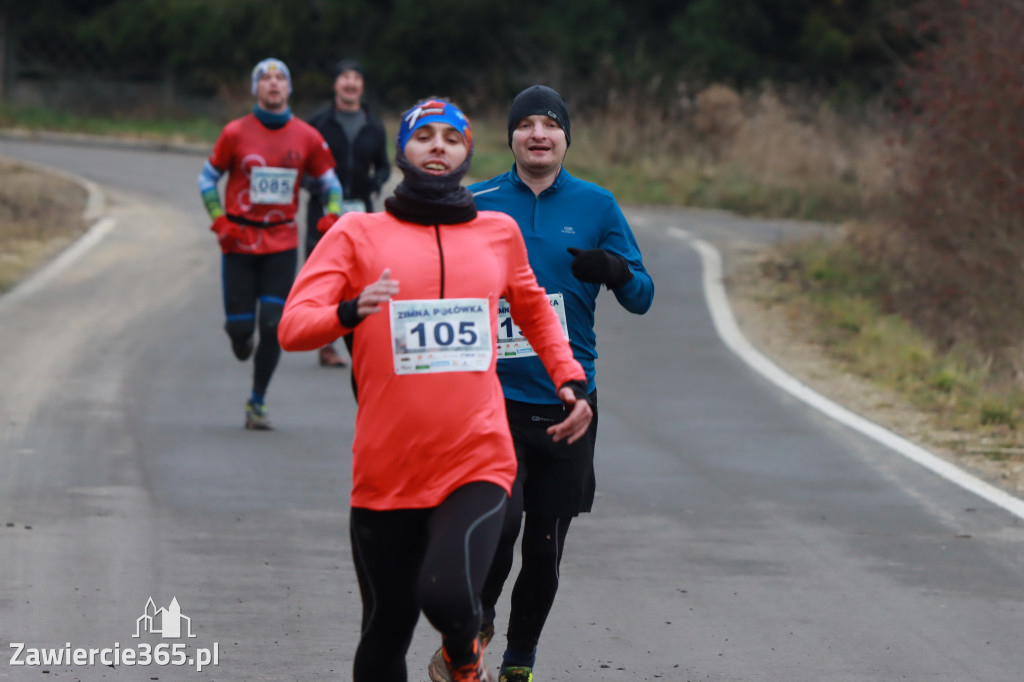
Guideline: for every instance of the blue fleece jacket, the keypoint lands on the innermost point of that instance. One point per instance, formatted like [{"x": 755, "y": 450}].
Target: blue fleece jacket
[{"x": 570, "y": 213}]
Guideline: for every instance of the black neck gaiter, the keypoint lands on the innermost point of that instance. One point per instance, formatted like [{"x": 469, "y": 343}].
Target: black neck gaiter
[{"x": 428, "y": 199}]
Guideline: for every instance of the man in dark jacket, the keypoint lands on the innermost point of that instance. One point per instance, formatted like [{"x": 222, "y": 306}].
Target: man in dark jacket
[{"x": 358, "y": 143}]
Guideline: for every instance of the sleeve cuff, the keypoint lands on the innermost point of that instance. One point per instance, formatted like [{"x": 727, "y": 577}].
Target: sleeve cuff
[{"x": 348, "y": 313}]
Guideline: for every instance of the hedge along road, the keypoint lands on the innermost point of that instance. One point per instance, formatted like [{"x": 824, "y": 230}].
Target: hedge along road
[{"x": 737, "y": 534}]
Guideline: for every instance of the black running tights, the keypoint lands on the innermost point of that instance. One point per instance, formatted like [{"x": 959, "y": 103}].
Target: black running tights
[
  {"x": 534, "y": 592},
  {"x": 434, "y": 560},
  {"x": 248, "y": 280}
]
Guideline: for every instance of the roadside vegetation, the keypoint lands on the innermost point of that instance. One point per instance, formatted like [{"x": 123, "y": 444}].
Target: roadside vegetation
[
  {"x": 138, "y": 126},
  {"x": 765, "y": 153},
  {"x": 922, "y": 294}
]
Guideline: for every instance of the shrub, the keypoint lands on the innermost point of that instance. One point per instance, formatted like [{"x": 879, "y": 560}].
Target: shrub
[{"x": 960, "y": 232}]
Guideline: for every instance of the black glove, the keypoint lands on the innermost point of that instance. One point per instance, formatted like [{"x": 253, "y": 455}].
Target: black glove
[
  {"x": 578, "y": 386},
  {"x": 599, "y": 266}
]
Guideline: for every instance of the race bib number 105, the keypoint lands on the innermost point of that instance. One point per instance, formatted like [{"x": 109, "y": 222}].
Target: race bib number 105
[{"x": 448, "y": 335}]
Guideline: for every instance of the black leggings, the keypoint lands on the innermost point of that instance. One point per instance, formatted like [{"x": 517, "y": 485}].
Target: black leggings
[
  {"x": 432, "y": 559},
  {"x": 554, "y": 483},
  {"x": 534, "y": 592},
  {"x": 264, "y": 280}
]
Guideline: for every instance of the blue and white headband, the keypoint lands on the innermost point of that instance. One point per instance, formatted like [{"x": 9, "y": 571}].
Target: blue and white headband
[{"x": 433, "y": 111}]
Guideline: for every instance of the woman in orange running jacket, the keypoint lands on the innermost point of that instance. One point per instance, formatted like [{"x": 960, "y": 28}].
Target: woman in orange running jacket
[{"x": 418, "y": 287}]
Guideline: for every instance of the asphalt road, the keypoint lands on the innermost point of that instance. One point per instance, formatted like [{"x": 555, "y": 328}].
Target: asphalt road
[{"x": 737, "y": 534}]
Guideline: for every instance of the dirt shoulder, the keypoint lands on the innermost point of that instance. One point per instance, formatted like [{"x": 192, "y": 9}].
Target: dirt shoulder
[{"x": 40, "y": 214}]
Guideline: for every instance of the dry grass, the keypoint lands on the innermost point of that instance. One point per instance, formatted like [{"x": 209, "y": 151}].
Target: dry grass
[
  {"x": 39, "y": 216},
  {"x": 762, "y": 154}
]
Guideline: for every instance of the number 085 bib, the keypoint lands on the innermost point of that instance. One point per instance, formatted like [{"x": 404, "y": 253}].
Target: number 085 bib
[
  {"x": 448, "y": 335},
  {"x": 269, "y": 185}
]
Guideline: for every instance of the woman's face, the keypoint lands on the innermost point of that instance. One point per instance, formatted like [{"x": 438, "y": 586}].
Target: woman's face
[{"x": 436, "y": 148}]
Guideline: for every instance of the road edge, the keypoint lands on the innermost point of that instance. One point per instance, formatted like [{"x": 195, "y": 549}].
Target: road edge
[
  {"x": 99, "y": 225},
  {"x": 728, "y": 330}
]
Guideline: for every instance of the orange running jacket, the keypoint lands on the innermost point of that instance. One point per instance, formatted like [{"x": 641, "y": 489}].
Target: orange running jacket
[{"x": 418, "y": 437}]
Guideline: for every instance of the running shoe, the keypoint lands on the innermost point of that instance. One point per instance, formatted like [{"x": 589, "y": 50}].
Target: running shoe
[
  {"x": 438, "y": 668},
  {"x": 330, "y": 358},
  {"x": 486, "y": 635},
  {"x": 256, "y": 417},
  {"x": 516, "y": 673},
  {"x": 242, "y": 350},
  {"x": 471, "y": 672}
]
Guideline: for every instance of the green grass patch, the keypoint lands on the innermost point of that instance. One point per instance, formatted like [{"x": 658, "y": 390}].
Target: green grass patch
[
  {"x": 996, "y": 412},
  {"x": 946, "y": 379},
  {"x": 199, "y": 130}
]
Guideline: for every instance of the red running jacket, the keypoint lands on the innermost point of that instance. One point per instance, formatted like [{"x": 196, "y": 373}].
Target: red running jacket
[
  {"x": 246, "y": 146},
  {"x": 419, "y": 436}
]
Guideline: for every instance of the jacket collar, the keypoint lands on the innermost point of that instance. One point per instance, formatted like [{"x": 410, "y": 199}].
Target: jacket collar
[{"x": 561, "y": 179}]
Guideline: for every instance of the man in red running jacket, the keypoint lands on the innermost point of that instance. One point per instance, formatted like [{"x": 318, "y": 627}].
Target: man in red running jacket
[{"x": 265, "y": 155}]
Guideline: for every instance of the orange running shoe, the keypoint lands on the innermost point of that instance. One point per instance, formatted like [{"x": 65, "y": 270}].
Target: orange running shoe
[
  {"x": 471, "y": 672},
  {"x": 438, "y": 670}
]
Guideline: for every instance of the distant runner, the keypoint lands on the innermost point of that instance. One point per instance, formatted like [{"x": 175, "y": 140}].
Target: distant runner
[
  {"x": 358, "y": 142},
  {"x": 265, "y": 155}
]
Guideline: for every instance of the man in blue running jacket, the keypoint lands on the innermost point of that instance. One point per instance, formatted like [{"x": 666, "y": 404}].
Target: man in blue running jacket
[{"x": 577, "y": 239}]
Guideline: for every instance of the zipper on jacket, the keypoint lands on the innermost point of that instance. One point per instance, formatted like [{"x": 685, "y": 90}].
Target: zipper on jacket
[{"x": 440, "y": 253}]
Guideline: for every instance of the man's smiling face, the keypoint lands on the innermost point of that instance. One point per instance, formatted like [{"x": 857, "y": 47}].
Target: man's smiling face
[{"x": 539, "y": 145}]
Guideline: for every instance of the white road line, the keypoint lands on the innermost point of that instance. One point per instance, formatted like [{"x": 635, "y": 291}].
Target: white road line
[
  {"x": 728, "y": 330},
  {"x": 93, "y": 236}
]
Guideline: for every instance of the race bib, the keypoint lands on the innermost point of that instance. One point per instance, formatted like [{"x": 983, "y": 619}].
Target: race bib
[
  {"x": 353, "y": 206},
  {"x": 447, "y": 335},
  {"x": 511, "y": 342},
  {"x": 269, "y": 185}
]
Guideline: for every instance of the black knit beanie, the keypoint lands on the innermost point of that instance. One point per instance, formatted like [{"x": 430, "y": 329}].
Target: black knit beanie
[
  {"x": 347, "y": 65},
  {"x": 539, "y": 99}
]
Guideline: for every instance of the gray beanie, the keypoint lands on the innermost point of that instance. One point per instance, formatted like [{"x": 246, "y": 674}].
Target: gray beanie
[{"x": 539, "y": 99}]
